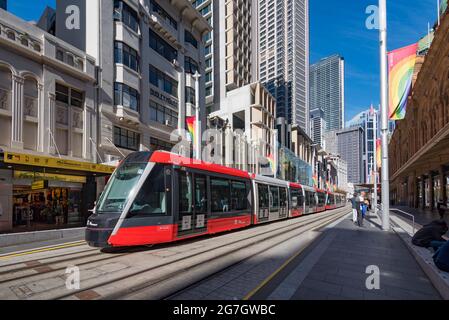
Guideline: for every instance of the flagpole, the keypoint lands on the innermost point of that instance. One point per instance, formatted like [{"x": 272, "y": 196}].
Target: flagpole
[
  {"x": 384, "y": 113},
  {"x": 438, "y": 11},
  {"x": 197, "y": 138},
  {"x": 375, "y": 161}
]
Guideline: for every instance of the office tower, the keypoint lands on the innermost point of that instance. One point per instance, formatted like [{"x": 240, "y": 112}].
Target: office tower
[
  {"x": 230, "y": 48},
  {"x": 317, "y": 126},
  {"x": 350, "y": 148},
  {"x": 327, "y": 90},
  {"x": 284, "y": 59}
]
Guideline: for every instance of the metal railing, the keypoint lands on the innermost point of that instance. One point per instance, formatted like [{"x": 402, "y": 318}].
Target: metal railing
[{"x": 407, "y": 214}]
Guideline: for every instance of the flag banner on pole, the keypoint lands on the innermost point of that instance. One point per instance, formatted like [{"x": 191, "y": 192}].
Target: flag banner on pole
[
  {"x": 270, "y": 158},
  {"x": 401, "y": 64},
  {"x": 191, "y": 122},
  {"x": 379, "y": 152},
  {"x": 443, "y": 6}
]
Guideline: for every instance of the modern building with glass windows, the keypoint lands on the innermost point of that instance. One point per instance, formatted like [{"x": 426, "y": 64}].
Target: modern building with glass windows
[
  {"x": 147, "y": 52},
  {"x": 230, "y": 48},
  {"x": 327, "y": 90},
  {"x": 284, "y": 61}
]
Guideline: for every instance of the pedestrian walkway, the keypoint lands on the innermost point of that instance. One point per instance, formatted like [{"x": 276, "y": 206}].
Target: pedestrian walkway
[
  {"x": 422, "y": 217},
  {"x": 335, "y": 267}
]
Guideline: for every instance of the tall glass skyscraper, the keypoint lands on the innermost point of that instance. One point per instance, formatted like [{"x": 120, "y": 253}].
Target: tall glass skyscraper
[
  {"x": 327, "y": 90},
  {"x": 284, "y": 57}
]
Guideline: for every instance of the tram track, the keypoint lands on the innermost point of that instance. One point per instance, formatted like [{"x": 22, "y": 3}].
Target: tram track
[
  {"x": 128, "y": 291},
  {"x": 141, "y": 292},
  {"x": 137, "y": 279}
]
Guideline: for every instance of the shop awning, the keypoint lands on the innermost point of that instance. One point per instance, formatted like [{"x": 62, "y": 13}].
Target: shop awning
[{"x": 29, "y": 160}]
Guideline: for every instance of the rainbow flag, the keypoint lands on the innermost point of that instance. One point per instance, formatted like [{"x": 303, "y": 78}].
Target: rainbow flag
[
  {"x": 315, "y": 180},
  {"x": 191, "y": 122},
  {"x": 379, "y": 152},
  {"x": 401, "y": 64},
  {"x": 270, "y": 158}
]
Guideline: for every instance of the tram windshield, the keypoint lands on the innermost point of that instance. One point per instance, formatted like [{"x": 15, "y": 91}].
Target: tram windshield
[{"x": 122, "y": 182}]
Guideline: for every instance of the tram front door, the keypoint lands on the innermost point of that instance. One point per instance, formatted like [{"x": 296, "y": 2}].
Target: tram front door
[{"x": 193, "y": 203}]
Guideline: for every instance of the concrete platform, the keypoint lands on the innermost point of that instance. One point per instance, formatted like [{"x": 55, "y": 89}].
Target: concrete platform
[{"x": 335, "y": 267}]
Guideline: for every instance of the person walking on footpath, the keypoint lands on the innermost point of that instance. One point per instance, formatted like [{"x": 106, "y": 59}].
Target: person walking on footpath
[
  {"x": 361, "y": 209},
  {"x": 355, "y": 205}
]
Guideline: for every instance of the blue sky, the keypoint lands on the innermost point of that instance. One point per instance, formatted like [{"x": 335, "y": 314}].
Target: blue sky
[
  {"x": 339, "y": 27},
  {"x": 336, "y": 27}
]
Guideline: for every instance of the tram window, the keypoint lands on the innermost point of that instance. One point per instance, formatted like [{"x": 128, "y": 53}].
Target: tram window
[
  {"x": 220, "y": 195},
  {"x": 264, "y": 201},
  {"x": 274, "y": 191},
  {"x": 307, "y": 198},
  {"x": 239, "y": 200},
  {"x": 185, "y": 192},
  {"x": 151, "y": 199},
  {"x": 294, "y": 195},
  {"x": 200, "y": 194},
  {"x": 115, "y": 197},
  {"x": 283, "y": 197}
]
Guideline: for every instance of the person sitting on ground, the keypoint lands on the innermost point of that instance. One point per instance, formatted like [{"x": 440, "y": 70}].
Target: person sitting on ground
[
  {"x": 441, "y": 257},
  {"x": 431, "y": 235}
]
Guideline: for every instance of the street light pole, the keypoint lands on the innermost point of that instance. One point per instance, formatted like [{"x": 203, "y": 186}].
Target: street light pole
[
  {"x": 375, "y": 160},
  {"x": 384, "y": 113},
  {"x": 197, "y": 139}
]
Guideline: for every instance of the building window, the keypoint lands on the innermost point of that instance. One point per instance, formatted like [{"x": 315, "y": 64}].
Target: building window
[
  {"x": 70, "y": 96},
  {"x": 126, "y": 139},
  {"x": 60, "y": 55},
  {"x": 125, "y": 14},
  {"x": 162, "y": 47},
  {"x": 220, "y": 195},
  {"x": 189, "y": 38},
  {"x": 126, "y": 96},
  {"x": 163, "y": 14},
  {"x": 190, "y": 95},
  {"x": 11, "y": 35},
  {"x": 163, "y": 82},
  {"x": 190, "y": 65},
  {"x": 157, "y": 144},
  {"x": 126, "y": 55},
  {"x": 163, "y": 115},
  {"x": 208, "y": 91}
]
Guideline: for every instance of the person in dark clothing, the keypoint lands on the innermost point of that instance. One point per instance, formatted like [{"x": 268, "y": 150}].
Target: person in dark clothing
[
  {"x": 430, "y": 235},
  {"x": 441, "y": 257},
  {"x": 355, "y": 205}
]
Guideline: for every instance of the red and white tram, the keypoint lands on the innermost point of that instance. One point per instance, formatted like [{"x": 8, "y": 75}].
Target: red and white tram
[{"x": 160, "y": 197}]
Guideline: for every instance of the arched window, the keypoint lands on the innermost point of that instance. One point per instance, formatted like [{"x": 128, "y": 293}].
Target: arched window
[
  {"x": 24, "y": 41},
  {"x": 11, "y": 35}
]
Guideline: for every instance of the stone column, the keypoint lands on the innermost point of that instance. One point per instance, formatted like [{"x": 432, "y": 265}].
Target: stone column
[
  {"x": 431, "y": 193},
  {"x": 17, "y": 112},
  {"x": 51, "y": 123},
  {"x": 423, "y": 190},
  {"x": 41, "y": 118},
  {"x": 443, "y": 184}
]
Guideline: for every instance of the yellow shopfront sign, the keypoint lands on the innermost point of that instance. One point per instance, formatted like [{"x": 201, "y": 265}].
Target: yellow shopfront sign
[
  {"x": 48, "y": 162},
  {"x": 48, "y": 176},
  {"x": 39, "y": 185}
]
